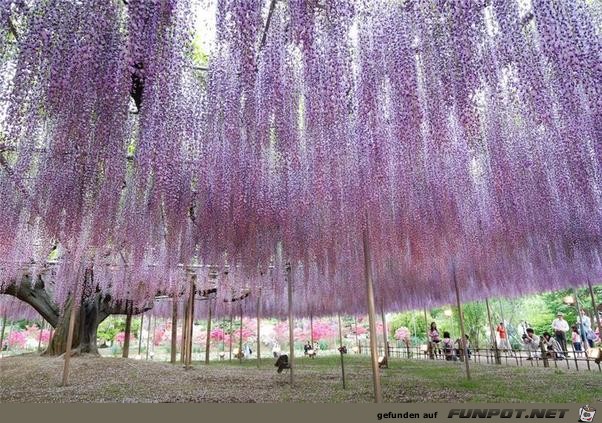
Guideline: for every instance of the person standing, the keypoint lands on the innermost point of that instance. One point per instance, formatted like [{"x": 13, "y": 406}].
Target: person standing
[
  {"x": 560, "y": 327},
  {"x": 585, "y": 326},
  {"x": 504, "y": 343},
  {"x": 434, "y": 340},
  {"x": 576, "y": 338}
]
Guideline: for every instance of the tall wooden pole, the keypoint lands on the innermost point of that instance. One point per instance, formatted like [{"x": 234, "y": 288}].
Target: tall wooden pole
[
  {"x": 429, "y": 344},
  {"x": 357, "y": 339},
  {"x": 596, "y": 314},
  {"x": 372, "y": 319},
  {"x": 291, "y": 338},
  {"x": 386, "y": 347},
  {"x": 498, "y": 359},
  {"x": 2, "y": 332},
  {"x": 74, "y": 303},
  {"x": 231, "y": 331},
  {"x": 184, "y": 341},
  {"x": 462, "y": 343},
  {"x": 39, "y": 336},
  {"x": 208, "y": 339},
  {"x": 190, "y": 324},
  {"x": 174, "y": 330},
  {"x": 128, "y": 328},
  {"x": 259, "y": 329},
  {"x": 140, "y": 337},
  {"x": 148, "y": 335},
  {"x": 341, "y": 351},
  {"x": 154, "y": 334},
  {"x": 240, "y": 337},
  {"x": 311, "y": 329}
]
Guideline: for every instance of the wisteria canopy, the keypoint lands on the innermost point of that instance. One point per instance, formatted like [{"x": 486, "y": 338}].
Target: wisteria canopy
[{"x": 460, "y": 137}]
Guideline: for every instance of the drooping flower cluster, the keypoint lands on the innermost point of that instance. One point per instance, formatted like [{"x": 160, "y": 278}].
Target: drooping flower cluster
[{"x": 462, "y": 139}]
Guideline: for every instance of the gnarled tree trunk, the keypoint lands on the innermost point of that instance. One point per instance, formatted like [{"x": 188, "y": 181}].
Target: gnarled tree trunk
[
  {"x": 95, "y": 307},
  {"x": 84, "y": 334}
]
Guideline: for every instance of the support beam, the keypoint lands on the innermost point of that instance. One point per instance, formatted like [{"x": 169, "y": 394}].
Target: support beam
[
  {"x": 140, "y": 335},
  {"x": 357, "y": 339},
  {"x": 184, "y": 342},
  {"x": 462, "y": 342},
  {"x": 42, "y": 324},
  {"x": 128, "y": 329},
  {"x": 430, "y": 346},
  {"x": 341, "y": 351},
  {"x": 148, "y": 335},
  {"x": 67, "y": 356},
  {"x": 291, "y": 337},
  {"x": 231, "y": 333},
  {"x": 2, "y": 332},
  {"x": 259, "y": 329},
  {"x": 498, "y": 358},
  {"x": 311, "y": 330},
  {"x": 371, "y": 318},
  {"x": 189, "y": 338},
  {"x": 174, "y": 330},
  {"x": 385, "y": 343},
  {"x": 208, "y": 339},
  {"x": 595, "y": 307},
  {"x": 240, "y": 338}
]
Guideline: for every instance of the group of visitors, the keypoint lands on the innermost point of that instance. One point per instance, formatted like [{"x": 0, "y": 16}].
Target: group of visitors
[
  {"x": 581, "y": 335},
  {"x": 446, "y": 346},
  {"x": 552, "y": 343}
]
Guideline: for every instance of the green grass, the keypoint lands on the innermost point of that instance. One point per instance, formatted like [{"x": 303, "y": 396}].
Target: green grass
[
  {"x": 96, "y": 379},
  {"x": 489, "y": 383}
]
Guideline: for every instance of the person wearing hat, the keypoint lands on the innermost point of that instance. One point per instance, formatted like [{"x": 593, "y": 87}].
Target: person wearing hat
[{"x": 560, "y": 327}]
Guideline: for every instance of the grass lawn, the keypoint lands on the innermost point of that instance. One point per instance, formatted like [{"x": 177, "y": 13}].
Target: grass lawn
[{"x": 30, "y": 378}]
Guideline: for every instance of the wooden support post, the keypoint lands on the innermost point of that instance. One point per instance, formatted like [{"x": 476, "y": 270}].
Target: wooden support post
[
  {"x": 584, "y": 344},
  {"x": 595, "y": 307},
  {"x": 341, "y": 352},
  {"x": 190, "y": 324},
  {"x": 128, "y": 328},
  {"x": 2, "y": 333},
  {"x": 67, "y": 356},
  {"x": 311, "y": 330},
  {"x": 498, "y": 358},
  {"x": 231, "y": 331},
  {"x": 372, "y": 319},
  {"x": 357, "y": 339},
  {"x": 39, "y": 336},
  {"x": 430, "y": 348},
  {"x": 291, "y": 338},
  {"x": 140, "y": 335},
  {"x": 184, "y": 342},
  {"x": 174, "y": 330},
  {"x": 153, "y": 342},
  {"x": 148, "y": 335},
  {"x": 386, "y": 344},
  {"x": 240, "y": 354},
  {"x": 208, "y": 339},
  {"x": 10, "y": 331},
  {"x": 462, "y": 342},
  {"x": 544, "y": 352},
  {"x": 259, "y": 329}
]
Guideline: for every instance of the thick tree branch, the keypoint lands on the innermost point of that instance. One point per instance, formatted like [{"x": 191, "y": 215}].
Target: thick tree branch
[{"x": 36, "y": 296}]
